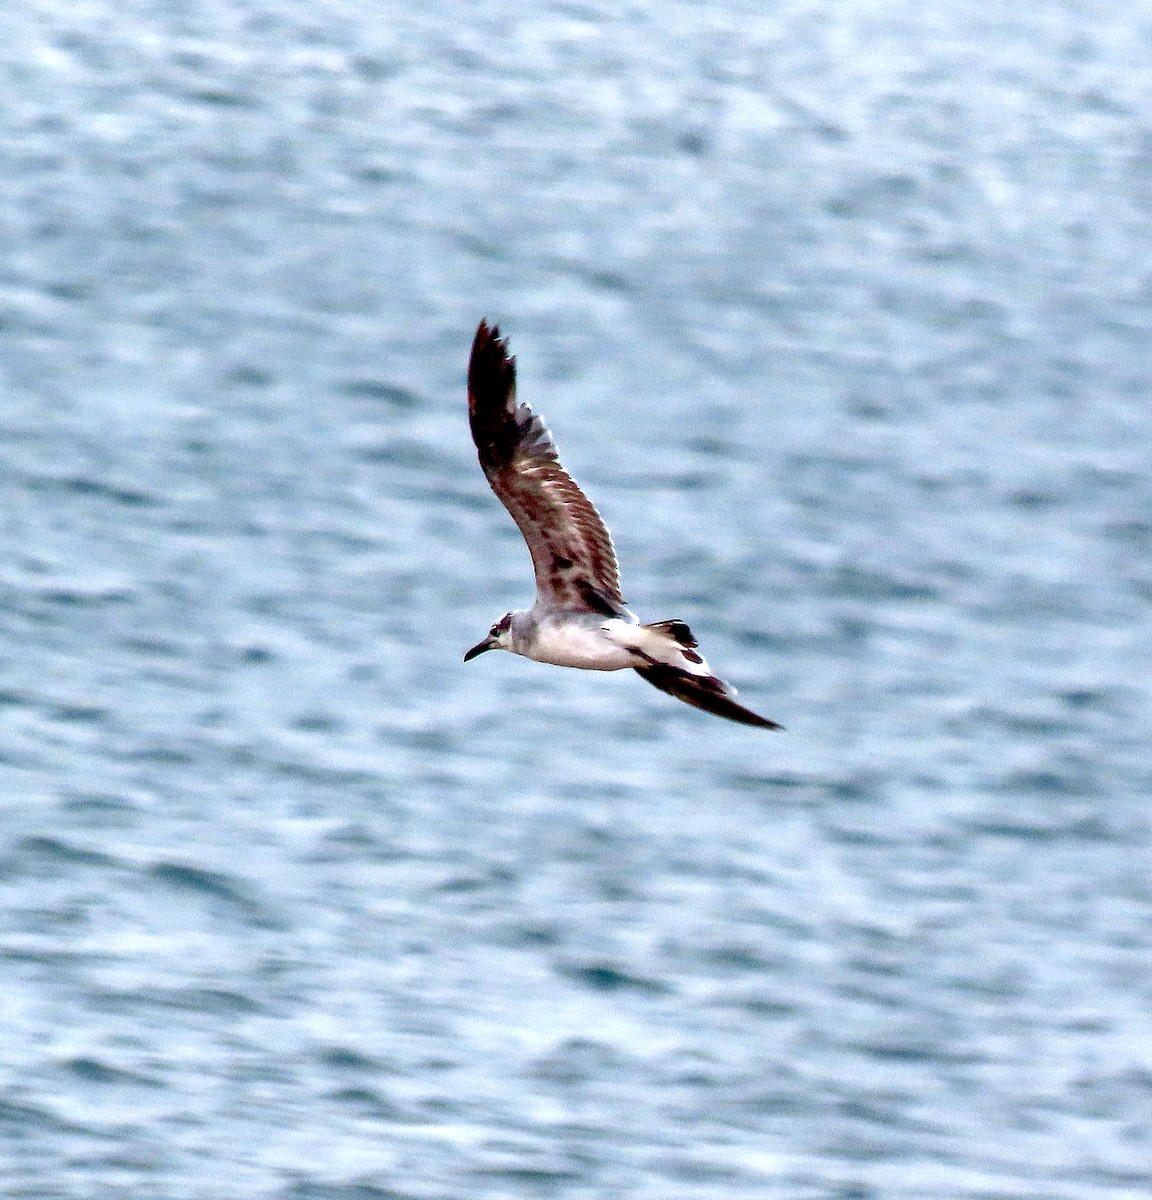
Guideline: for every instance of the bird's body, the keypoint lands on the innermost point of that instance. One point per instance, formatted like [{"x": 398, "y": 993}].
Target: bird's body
[
  {"x": 579, "y": 618},
  {"x": 567, "y": 639},
  {"x": 595, "y": 643}
]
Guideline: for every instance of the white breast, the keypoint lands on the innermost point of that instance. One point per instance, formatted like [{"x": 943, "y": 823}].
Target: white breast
[{"x": 570, "y": 644}]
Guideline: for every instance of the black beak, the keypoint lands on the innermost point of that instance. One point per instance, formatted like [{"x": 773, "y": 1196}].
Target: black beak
[{"x": 487, "y": 644}]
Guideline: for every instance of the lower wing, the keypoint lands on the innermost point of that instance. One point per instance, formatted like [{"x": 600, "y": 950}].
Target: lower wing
[{"x": 702, "y": 691}]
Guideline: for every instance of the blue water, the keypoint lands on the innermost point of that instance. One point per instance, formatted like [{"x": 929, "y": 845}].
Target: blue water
[{"x": 841, "y": 314}]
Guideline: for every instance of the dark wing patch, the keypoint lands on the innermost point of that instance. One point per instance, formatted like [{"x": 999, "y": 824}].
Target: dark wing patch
[
  {"x": 702, "y": 691},
  {"x": 677, "y": 631},
  {"x": 571, "y": 549},
  {"x": 681, "y": 635}
]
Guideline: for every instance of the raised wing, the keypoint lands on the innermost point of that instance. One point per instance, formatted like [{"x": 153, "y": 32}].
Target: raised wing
[{"x": 571, "y": 549}]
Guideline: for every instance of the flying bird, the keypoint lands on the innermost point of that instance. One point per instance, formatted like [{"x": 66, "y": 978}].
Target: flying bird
[{"x": 580, "y": 618}]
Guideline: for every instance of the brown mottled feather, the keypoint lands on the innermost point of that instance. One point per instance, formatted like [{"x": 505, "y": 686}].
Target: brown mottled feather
[{"x": 571, "y": 549}]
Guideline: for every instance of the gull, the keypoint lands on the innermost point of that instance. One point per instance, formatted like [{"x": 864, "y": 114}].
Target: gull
[{"x": 580, "y": 619}]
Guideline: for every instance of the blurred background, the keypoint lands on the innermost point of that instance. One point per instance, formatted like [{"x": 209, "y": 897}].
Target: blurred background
[{"x": 840, "y": 312}]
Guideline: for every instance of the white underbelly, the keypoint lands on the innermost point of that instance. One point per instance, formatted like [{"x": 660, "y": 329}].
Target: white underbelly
[{"x": 588, "y": 647}]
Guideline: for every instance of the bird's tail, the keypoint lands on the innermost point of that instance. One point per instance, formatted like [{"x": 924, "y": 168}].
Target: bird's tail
[{"x": 702, "y": 691}]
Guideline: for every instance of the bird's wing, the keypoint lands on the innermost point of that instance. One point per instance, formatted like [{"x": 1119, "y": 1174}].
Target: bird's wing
[
  {"x": 702, "y": 691},
  {"x": 571, "y": 549}
]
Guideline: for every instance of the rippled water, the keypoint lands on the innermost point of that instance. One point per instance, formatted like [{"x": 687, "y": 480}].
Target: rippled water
[{"x": 841, "y": 314}]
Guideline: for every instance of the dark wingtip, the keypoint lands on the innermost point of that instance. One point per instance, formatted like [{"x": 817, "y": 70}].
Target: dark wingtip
[
  {"x": 490, "y": 367},
  {"x": 704, "y": 692},
  {"x": 491, "y": 389}
]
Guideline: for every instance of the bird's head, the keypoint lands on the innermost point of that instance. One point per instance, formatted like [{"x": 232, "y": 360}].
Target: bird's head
[{"x": 499, "y": 638}]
